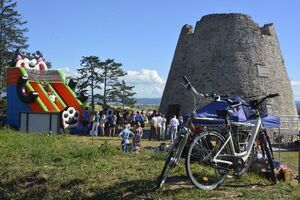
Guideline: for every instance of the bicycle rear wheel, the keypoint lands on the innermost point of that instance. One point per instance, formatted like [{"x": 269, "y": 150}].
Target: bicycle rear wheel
[{"x": 200, "y": 168}]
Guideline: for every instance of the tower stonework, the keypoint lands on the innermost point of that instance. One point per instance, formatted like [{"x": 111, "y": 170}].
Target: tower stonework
[{"x": 228, "y": 54}]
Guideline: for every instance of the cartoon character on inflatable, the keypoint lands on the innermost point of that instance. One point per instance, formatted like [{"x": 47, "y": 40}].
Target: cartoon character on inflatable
[
  {"x": 29, "y": 60},
  {"x": 70, "y": 118}
]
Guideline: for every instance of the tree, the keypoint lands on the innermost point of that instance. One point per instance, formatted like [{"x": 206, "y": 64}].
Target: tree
[
  {"x": 111, "y": 72},
  {"x": 123, "y": 93},
  {"x": 89, "y": 76},
  {"x": 11, "y": 35}
]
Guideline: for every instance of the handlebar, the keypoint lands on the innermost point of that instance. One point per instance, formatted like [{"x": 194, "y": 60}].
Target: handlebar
[
  {"x": 273, "y": 95},
  {"x": 187, "y": 82},
  {"x": 254, "y": 103},
  {"x": 188, "y": 85}
]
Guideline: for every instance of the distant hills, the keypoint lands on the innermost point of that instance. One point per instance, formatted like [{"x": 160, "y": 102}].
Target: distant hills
[
  {"x": 156, "y": 101},
  {"x": 148, "y": 101}
]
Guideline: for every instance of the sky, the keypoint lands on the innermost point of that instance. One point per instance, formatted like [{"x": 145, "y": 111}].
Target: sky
[{"x": 142, "y": 34}]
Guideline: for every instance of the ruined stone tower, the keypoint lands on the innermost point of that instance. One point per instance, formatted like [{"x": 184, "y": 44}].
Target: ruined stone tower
[{"x": 228, "y": 54}]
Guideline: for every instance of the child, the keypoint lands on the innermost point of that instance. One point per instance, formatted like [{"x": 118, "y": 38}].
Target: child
[
  {"x": 125, "y": 136},
  {"x": 138, "y": 131}
]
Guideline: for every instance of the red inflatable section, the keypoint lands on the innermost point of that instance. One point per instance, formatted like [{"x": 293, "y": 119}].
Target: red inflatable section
[
  {"x": 67, "y": 96},
  {"x": 43, "y": 97},
  {"x": 35, "y": 106}
]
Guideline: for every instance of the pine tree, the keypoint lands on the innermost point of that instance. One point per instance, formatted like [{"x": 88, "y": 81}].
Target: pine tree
[
  {"x": 123, "y": 93},
  {"x": 11, "y": 36},
  {"x": 89, "y": 76},
  {"x": 111, "y": 72}
]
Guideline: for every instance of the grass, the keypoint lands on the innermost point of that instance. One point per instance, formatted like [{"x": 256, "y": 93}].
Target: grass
[
  {"x": 288, "y": 158},
  {"x": 72, "y": 167}
]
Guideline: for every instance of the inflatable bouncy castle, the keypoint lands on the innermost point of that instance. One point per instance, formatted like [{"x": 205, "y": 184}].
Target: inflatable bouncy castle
[{"x": 38, "y": 99}]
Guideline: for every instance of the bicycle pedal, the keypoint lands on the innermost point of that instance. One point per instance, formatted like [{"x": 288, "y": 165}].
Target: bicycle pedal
[
  {"x": 236, "y": 175},
  {"x": 230, "y": 176}
]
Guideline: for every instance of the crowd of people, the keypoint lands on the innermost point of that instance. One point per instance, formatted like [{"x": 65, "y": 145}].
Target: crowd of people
[{"x": 129, "y": 126}]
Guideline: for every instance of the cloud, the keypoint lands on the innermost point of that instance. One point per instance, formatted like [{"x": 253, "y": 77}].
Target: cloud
[
  {"x": 69, "y": 72},
  {"x": 296, "y": 89},
  {"x": 144, "y": 76},
  {"x": 148, "y": 83},
  {"x": 295, "y": 84}
]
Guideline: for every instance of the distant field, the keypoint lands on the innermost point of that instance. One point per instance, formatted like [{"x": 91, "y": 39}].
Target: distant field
[{"x": 76, "y": 167}]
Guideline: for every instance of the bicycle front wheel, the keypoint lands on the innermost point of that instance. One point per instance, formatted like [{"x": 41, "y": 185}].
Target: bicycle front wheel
[
  {"x": 202, "y": 171},
  {"x": 170, "y": 162}
]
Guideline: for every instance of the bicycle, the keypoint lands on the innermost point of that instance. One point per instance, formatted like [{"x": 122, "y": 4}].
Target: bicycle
[
  {"x": 246, "y": 148},
  {"x": 212, "y": 154},
  {"x": 176, "y": 149}
]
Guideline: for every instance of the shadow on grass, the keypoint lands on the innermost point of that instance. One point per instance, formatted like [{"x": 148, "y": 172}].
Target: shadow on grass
[
  {"x": 34, "y": 185},
  {"x": 127, "y": 190},
  {"x": 72, "y": 183},
  {"x": 137, "y": 189}
]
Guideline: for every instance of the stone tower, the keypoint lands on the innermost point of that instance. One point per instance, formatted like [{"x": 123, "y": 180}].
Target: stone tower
[{"x": 228, "y": 54}]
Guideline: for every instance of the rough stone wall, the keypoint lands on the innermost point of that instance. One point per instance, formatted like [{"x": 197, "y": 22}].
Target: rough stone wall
[{"x": 222, "y": 56}]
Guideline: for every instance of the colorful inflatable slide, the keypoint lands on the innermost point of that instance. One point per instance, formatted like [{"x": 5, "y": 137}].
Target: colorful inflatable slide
[{"x": 33, "y": 88}]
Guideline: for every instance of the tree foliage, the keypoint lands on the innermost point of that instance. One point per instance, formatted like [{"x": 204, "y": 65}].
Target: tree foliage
[
  {"x": 90, "y": 76},
  {"x": 123, "y": 93},
  {"x": 11, "y": 35},
  {"x": 111, "y": 72},
  {"x": 95, "y": 73}
]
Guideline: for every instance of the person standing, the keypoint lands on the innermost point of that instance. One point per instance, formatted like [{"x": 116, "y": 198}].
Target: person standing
[
  {"x": 85, "y": 120},
  {"x": 159, "y": 125},
  {"x": 125, "y": 135},
  {"x": 112, "y": 125},
  {"x": 180, "y": 120},
  {"x": 96, "y": 119},
  {"x": 138, "y": 134},
  {"x": 91, "y": 119},
  {"x": 153, "y": 128},
  {"x": 138, "y": 118},
  {"x": 119, "y": 122},
  {"x": 163, "y": 127},
  {"x": 173, "y": 126},
  {"x": 129, "y": 119},
  {"x": 102, "y": 123}
]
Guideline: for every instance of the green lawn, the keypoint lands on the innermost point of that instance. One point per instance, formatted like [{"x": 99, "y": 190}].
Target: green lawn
[
  {"x": 288, "y": 158},
  {"x": 72, "y": 167}
]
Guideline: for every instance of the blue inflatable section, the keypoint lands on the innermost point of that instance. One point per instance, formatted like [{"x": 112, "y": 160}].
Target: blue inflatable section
[
  {"x": 14, "y": 107},
  {"x": 241, "y": 114}
]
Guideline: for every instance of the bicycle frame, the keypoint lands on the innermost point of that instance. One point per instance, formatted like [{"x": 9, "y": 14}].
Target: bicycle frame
[{"x": 245, "y": 154}]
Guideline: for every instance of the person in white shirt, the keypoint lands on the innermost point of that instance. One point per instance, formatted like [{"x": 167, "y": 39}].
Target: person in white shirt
[
  {"x": 153, "y": 128},
  {"x": 173, "y": 125},
  {"x": 51, "y": 96},
  {"x": 159, "y": 125},
  {"x": 163, "y": 127},
  {"x": 102, "y": 122}
]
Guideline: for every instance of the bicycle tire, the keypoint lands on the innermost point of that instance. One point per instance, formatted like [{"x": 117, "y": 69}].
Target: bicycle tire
[
  {"x": 269, "y": 143},
  {"x": 208, "y": 142},
  {"x": 267, "y": 150},
  {"x": 171, "y": 161}
]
